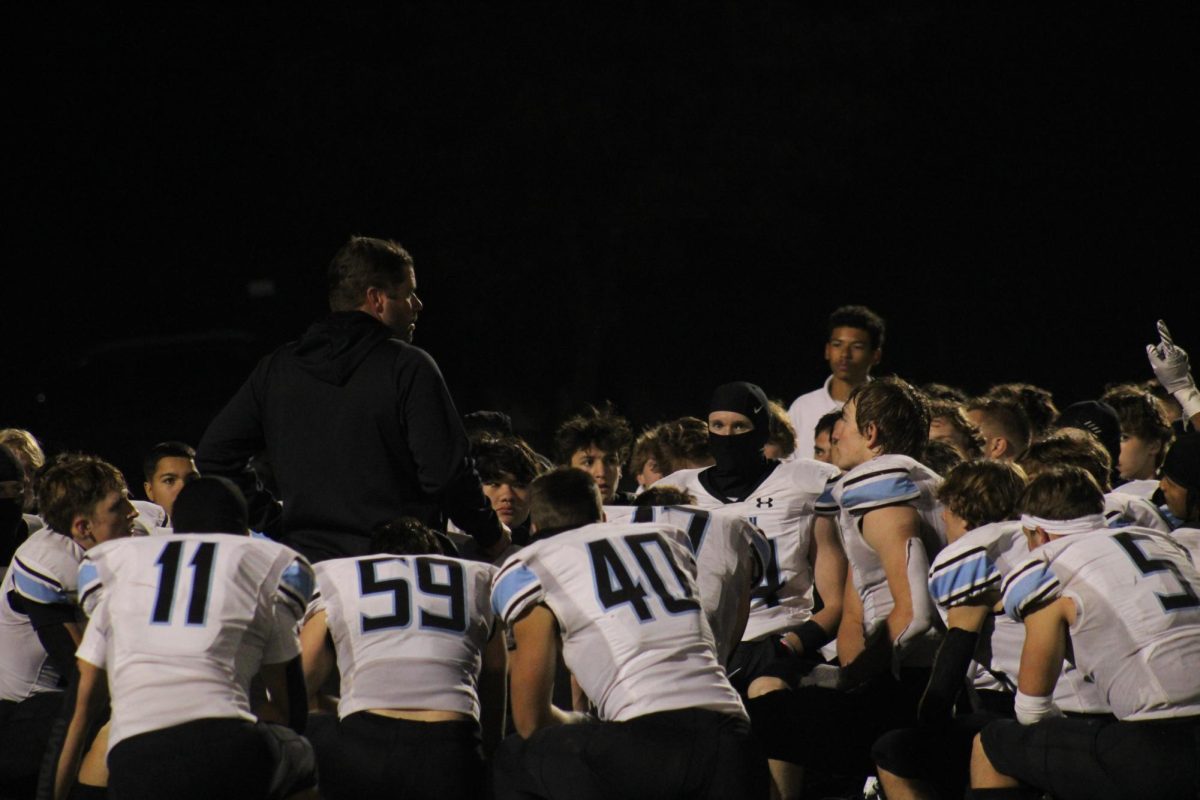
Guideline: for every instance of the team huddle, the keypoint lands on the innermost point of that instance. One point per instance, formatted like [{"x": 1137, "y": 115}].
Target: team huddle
[{"x": 881, "y": 591}]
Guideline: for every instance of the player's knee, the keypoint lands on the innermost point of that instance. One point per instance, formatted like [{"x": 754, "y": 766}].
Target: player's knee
[{"x": 765, "y": 685}]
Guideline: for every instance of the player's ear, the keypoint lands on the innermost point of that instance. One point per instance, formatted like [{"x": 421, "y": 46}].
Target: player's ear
[
  {"x": 871, "y": 434},
  {"x": 81, "y": 529},
  {"x": 875, "y": 359},
  {"x": 149, "y": 489}
]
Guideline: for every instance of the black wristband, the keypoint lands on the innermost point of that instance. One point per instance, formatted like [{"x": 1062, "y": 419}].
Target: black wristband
[{"x": 812, "y": 638}]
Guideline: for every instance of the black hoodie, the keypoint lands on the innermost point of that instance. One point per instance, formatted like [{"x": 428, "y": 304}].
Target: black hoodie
[{"x": 360, "y": 429}]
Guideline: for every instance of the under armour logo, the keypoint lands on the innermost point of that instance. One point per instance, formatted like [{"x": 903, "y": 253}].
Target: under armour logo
[{"x": 767, "y": 502}]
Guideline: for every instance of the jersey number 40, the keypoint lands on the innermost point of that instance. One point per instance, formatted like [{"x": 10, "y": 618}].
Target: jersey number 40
[{"x": 616, "y": 584}]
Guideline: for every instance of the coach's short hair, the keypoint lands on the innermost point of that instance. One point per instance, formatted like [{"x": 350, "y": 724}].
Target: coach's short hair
[
  {"x": 361, "y": 263},
  {"x": 1065, "y": 492},
  {"x": 983, "y": 491},
  {"x": 564, "y": 498},
  {"x": 601, "y": 427},
  {"x": 165, "y": 450},
  {"x": 71, "y": 486},
  {"x": 1062, "y": 449},
  {"x": 862, "y": 318},
  {"x": 899, "y": 411}
]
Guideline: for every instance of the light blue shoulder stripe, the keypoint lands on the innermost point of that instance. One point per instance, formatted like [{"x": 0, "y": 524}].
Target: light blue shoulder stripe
[
  {"x": 35, "y": 590},
  {"x": 508, "y": 587},
  {"x": 961, "y": 576},
  {"x": 87, "y": 576},
  {"x": 299, "y": 578},
  {"x": 1035, "y": 585},
  {"x": 890, "y": 487}
]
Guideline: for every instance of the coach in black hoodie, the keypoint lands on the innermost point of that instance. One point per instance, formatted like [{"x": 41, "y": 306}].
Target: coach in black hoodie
[{"x": 356, "y": 422}]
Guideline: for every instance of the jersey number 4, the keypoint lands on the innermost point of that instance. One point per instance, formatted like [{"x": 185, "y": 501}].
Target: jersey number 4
[
  {"x": 615, "y": 584},
  {"x": 453, "y": 590},
  {"x": 168, "y": 576}
]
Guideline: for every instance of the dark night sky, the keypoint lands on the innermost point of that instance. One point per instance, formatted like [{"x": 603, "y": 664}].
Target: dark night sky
[{"x": 618, "y": 203}]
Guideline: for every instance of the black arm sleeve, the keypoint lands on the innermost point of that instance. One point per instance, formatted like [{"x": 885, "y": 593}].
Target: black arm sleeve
[
  {"x": 48, "y": 624},
  {"x": 946, "y": 679},
  {"x": 297, "y": 696}
]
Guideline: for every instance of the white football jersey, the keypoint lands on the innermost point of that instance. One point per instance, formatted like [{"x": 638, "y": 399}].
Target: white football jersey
[
  {"x": 730, "y": 554},
  {"x": 976, "y": 565},
  {"x": 1190, "y": 539},
  {"x": 888, "y": 480},
  {"x": 425, "y": 618},
  {"x": 782, "y": 507},
  {"x": 182, "y": 623},
  {"x": 1122, "y": 510},
  {"x": 1137, "y": 625},
  {"x": 44, "y": 570},
  {"x": 151, "y": 519},
  {"x": 627, "y": 605}
]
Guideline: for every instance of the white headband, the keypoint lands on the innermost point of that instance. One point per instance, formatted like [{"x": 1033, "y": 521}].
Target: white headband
[{"x": 1065, "y": 527}]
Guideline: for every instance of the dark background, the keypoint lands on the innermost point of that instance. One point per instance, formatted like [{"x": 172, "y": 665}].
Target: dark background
[{"x": 618, "y": 202}]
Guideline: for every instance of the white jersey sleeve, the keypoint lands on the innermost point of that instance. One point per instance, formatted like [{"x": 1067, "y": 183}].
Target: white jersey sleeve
[
  {"x": 1136, "y": 633},
  {"x": 44, "y": 570},
  {"x": 625, "y": 597},
  {"x": 94, "y": 647},
  {"x": 427, "y": 618},
  {"x": 1122, "y": 510}
]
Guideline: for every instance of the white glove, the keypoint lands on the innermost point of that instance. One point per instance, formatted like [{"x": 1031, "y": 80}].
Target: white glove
[{"x": 1170, "y": 364}]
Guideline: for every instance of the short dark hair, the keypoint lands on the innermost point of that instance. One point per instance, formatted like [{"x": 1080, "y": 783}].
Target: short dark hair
[
  {"x": 564, "y": 498},
  {"x": 983, "y": 491},
  {"x": 664, "y": 496},
  {"x": 165, "y": 450},
  {"x": 899, "y": 411},
  {"x": 363, "y": 262},
  {"x": 1037, "y": 402},
  {"x": 596, "y": 426},
  {"x": 941, "y": 456},
  {"x": 406, "y": 536},
  {"x": 1064, "y": 492},
  {"x": 942, "y": 391},
  {"x": 1062, "y": 449},
  {"x": 71, "y": 485},
  {"x": 1007, "y": 415},
  {"x": 496, "y": 457},
  {"x": 953, "y": 413},
  {"x": 1141, "y": 415},
  {"x": 826, "y": 422},
  {"x": 862, "y": 318},
  {"x": 210, "y": 504},
  {"x": 683, "y": 440}
]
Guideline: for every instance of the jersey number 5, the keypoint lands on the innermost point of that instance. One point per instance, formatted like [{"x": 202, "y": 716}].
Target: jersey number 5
[{"x": 1148, "y": 566}]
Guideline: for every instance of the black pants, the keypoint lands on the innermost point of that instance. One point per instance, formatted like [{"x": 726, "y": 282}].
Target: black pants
[
  {"x": 1100, "y": 759},
  {"x": 939, "y": 756},
  {"x": 366, "y": 756},
  {"x": 24, "y": 730},
  {"x": 830, "y": 730},
  {"x": 207, "y": 759},
  {"x": 672, "y": 754}
]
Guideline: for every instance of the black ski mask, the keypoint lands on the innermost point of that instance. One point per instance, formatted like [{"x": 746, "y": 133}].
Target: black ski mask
[{"x": 740, "y": 465}]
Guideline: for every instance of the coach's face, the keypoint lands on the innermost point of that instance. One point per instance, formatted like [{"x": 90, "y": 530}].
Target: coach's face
[{"x": 399, "y": 307}]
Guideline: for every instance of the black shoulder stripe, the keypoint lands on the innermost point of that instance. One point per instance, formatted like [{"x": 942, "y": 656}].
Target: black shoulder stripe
[
  {"x": 869, "y": 475},
  {"x": 974, "y": 551},
  {"x": 518, "y": 600}
]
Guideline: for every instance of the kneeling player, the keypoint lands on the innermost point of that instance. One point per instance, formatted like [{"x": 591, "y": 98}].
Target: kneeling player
[
  {"x": 179, "y": 626},
  {"x": 409, "y": 630},
  {"x": 621, "y": 603},
  {"x": 1125, "y": 606}
]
